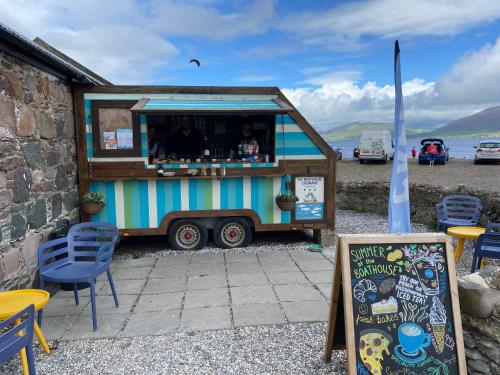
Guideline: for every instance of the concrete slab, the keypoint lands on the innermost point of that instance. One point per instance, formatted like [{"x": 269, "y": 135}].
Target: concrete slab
[
  {"x": 159, "y": 302},
  {"x": 325, "y": 289},
  {"x": 247, "y": 279},
  {"x": 206, "y": 282},
  {"x": 207, "y": 269},
  {"x": 315, "y": 265},
  {"x": 168, "y": 271},
  {"x": 108, "y": 325},
  {"x": 241, "y": 258},
  {"x": 123, "y": 287},
  {"x": 320, "y": 277},
  {"x": 173, "y": 260},
  {"x": 204, "y": 319},
  {"x": 284, "y": 266},
  {"x": 138, "y": 262},
  {"x": 64, "y": 307},
  {"x": 298, "y": 292},
  {"x": 206, "y": 259},
  {"x": 274, "y": 256},
  {"x": 206, "y": 298},
  {"x": 151, "y": 323},
  {"x": 81, "y": 293},
  {"x": 157, "y": 286},
  {"x": 115, "y": 264},
  {"x": 243, "y": 267},
  {"x": 306, "y": 311},
  {"x": 245, "y": 295},
  {"x": 54, "y": 327},
  {"x": 137, "y": 273},
  {"x": 287, "y": 278},
  {"x": 106, "y": 305},
  {"x": 258, "y": 314}
]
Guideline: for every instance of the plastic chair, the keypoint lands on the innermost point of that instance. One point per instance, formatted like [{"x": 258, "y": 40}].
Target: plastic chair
[
  {"x": 18, "y": 337},
  {"x": 493, "y": 228},
  {"x": 458, "y": 210},
  {"x": 79, "y": 258},
  {"x": 487, "y": 245}
]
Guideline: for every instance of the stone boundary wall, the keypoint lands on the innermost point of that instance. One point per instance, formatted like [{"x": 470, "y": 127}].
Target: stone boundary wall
[
  {"x": 373, "y": 197},
  {"x": 38, "y": 172}
]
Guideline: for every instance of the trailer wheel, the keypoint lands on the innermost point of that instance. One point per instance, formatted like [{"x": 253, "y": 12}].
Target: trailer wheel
[
  {"x": 187, "y": 235},
  {"x": 232, "y": 232}
]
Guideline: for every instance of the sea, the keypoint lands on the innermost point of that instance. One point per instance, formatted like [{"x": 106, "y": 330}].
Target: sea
[{"x": 460, "y": 148}]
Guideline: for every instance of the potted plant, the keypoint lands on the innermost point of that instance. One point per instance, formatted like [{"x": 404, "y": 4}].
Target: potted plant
[
  {"x": 92, "y": 203},
  {"x": 286, "y": 201}
]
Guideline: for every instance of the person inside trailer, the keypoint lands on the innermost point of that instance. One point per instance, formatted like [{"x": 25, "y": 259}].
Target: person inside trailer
[
  {"x": 187, "y": 142},
  {"x": 157, "y": 141},
  {"x": 246, "y": 143}
]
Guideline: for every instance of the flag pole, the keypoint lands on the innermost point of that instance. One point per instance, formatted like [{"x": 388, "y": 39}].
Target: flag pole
[{"x": 399, "y": 201}]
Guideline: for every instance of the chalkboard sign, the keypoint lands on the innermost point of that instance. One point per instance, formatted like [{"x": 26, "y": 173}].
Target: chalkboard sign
[{"x": 400, "y": 305}]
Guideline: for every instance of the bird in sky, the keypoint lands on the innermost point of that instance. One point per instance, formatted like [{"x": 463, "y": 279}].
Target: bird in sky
[{"x": 197, "y": 62}]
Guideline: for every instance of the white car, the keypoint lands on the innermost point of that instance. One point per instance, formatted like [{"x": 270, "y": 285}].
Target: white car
[{"x": 487, "y": 151}]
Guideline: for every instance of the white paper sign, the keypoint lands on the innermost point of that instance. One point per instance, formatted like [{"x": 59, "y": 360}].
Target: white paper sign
[{"x": 310, "y": 192}]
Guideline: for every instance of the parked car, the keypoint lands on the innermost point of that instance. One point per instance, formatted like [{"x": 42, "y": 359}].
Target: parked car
[
  {"x": 375, "y": 145},
  {"x": 442, "y": 154},
  {"x": 487, "y": 151}
]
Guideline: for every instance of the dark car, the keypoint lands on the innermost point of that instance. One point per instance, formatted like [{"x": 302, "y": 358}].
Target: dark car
[{"x": 442, "y": 151}]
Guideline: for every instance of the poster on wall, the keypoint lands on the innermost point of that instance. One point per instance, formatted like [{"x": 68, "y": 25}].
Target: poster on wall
[
  {"x": 310, "y": 192},
  {"x": 109, "y": 140},
  {"x": 124, "y": 138}
]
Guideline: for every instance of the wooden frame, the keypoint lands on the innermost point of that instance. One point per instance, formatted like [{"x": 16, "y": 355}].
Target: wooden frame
[
  {"x": 343, "y": 256},
  {"x": 89, "y": 169},
  {"x": 136, "y": 129}
]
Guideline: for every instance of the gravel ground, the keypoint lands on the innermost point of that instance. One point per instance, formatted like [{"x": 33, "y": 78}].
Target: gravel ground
[
  {"x": 286, "y": 349},
  {"x": 457, "y": 172}
]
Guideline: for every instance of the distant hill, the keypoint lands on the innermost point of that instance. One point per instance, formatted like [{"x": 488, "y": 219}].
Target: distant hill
[
  {"x": 482, "y": 124},
  {"x": 352, "y": 131}
]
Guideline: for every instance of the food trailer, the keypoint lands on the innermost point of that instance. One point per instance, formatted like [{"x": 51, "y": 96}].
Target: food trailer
[{"x": 183, "y": 161}]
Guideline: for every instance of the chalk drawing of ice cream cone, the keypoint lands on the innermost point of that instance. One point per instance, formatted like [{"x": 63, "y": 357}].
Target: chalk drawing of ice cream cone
[{"x": 437, "y": 318}]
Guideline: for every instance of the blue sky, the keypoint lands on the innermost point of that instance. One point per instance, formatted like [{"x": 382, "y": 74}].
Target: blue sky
[{"x": 333, "y": 59}]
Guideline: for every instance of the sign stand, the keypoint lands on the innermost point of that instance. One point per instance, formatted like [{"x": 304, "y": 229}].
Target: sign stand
[{"x": 400, "y": 305}]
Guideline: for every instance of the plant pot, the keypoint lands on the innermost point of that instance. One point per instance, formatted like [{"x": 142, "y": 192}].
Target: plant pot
[
  {"x": 91, "y": 208},
  {"x": 285, "y": 205}
]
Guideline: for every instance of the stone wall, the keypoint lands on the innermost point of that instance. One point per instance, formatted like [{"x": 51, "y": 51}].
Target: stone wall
[
  {"x": 38, "y": 176},
  {"x": 480, "y": 306},
  {"x": 373, "y": 197}
]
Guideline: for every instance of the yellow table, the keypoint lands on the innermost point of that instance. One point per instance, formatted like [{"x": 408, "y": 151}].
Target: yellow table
[
  {"x": 464, "y": 233},
  {"x": 16, "y": 300}
]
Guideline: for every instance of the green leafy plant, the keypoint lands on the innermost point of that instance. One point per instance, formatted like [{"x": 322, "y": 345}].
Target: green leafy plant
[
  {"x": 287, "y": 197},
  {"x": 93, "y": 198}
]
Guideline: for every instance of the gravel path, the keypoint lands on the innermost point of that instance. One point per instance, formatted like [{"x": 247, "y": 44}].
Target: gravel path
[
  {"x": 457, "y": 172},
  {"x": 285, "y": 349}
]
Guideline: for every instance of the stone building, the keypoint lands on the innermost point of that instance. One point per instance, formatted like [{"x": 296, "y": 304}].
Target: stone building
[{"x": 38, "y": 172}]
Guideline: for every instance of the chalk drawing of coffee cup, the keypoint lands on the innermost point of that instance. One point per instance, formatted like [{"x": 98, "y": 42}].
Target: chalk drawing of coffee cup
[
  {"x": 413, "y": 338},
  {"x": 427, "y": 275}
]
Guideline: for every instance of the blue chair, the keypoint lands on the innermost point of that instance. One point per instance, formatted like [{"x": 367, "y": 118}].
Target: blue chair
[
  {"x": 487, "y": 245},
  {"x": 458, "y": 210},
  {"x": 493, "y": 228},
  {"x": 79, "y": 258},
  {"x": 14, "y": 337}
]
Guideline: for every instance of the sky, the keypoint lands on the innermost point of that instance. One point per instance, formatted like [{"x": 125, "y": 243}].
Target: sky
[{"x": 332, "y": 59}]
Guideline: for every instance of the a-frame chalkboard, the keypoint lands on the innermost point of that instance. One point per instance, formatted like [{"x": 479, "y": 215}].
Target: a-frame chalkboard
[{"x": 400, "y": 311}]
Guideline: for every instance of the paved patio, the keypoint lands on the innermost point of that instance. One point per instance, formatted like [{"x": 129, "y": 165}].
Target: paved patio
[{"x": 197, "y": 292}]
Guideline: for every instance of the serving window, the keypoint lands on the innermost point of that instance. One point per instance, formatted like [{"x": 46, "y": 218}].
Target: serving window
[
  {"x": 211, "y": 137},
  {"x": 115, "y": 129}
]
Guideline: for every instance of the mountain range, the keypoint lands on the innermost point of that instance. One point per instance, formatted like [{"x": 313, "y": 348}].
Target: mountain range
[{"x": 485, "y": 123}]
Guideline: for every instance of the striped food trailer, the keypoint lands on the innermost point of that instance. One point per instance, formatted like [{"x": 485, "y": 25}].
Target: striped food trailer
[{"x": 164, "y": 194}]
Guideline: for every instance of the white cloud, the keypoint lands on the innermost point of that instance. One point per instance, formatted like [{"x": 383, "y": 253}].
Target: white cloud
[
  {"x": 126, "y": 41},
  {"x": 344, "y": 26},
  {"x": 469, "y": 86}
]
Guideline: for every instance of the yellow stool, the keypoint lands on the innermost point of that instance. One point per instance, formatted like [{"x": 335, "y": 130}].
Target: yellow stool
[
  {"x": 463, "y": 233},
  {"x": 16, "y": 300}
]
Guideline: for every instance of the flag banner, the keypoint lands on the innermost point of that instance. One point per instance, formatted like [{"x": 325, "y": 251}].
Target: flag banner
[{"x": 399, "y": 200}]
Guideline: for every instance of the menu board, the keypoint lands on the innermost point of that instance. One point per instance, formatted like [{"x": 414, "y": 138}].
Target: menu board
[
  {"x": 310, "y": 193},
  {"x": 401, "y": 312}
]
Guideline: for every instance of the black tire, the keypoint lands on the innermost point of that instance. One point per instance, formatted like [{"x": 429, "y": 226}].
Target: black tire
[
  {"x": 476, "y": 161},
  {"x": 188, "y": 234},
  {"x": 232, "y": 232},
  {"x": 361, "y": 161},
  {"x": 385, "y": 160}
]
